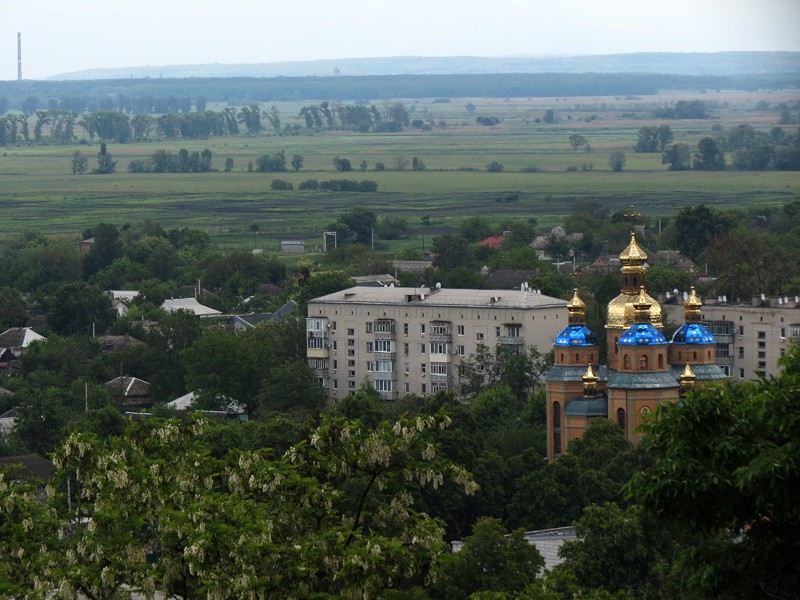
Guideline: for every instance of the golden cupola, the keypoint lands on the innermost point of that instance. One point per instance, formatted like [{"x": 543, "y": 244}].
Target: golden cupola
[{"x": 621, "y": 312}]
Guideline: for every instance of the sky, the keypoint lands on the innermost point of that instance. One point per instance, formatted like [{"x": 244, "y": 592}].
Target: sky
[{"x": 61, "y": 36}]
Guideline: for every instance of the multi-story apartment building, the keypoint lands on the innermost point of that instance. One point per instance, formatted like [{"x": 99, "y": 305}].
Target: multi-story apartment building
[
  {"x": 750, "y": 337},
  {"x": 410, "y": 340}
]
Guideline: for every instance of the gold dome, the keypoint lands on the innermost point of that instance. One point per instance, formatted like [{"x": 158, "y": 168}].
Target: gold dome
[
  {"x": 577, "y": 310},
  {"x": 621, "y": 312},
  {"x": 633, "y": 253},
  {"x": 692, "y": 306}
]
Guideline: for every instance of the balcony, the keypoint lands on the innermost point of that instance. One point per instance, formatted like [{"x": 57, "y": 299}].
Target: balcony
[
  {"x": 724, "y": 338},
  {"x": 511, "y": 340},
  {"x": 385, "y": 355},
  {"x": 441, "y": 379},
  {"x": 322, "y": 373},
  {"x": 385, "y": 335},
  {"x": 389, "y": 395},
  {"x": 384, "y": 375},
  {"x": 442, "y": 337},
  {"x": 316, "y": 333},
  {"x": 725, "y": 360}
]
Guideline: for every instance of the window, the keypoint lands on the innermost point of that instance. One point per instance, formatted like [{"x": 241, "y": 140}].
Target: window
[
  {"x": 315, "y": 324},
  {"x": 335, "y": 384},
  {"x": 424, "y": 389},
  {"x": 351, "y": 373},
  {"x": 423, "y": 367},
  {"x": 422, "y": 348},
  {"x": 351, "y": 342},
  {"x": 384, "y": 326},
  {"x": 334, "y": 344},
  {"x": 762, "y": 335},
  {"x": 762, "y": 354},
  {"x": 556, "y": 429},
  {"x": 370, "y": 347},
  {"x": 460, "y": 330},
  {"x": 408, "y": 387},
  {"x": 422, "y": 329},
  {"x": 626, "y": 362},
  {"x": 794, "y": 331},
  {"x": 369, "y": 326},
  {"x": 383, "y": 346},
  {"x": 351, "y": 352},
  {"x": 383, "y": 385},
  {"x": 762, "y": 364},
  {"x": 621, "y": 418},
  {"x": 479, "y": 337},
  {"x": 351, "y": 332},
  {"x": 336, "y": 364},
  {"x": 405, "y": 328},
  {"x": 439, "y": 368},
  {"x": 351, "y": 384},
  {"x": 762, "y": 344},
  {"x": 440, "y": 348},
  {"x": 461, "y": 351},
  {"x": 406, "y": 367},
  {"x": 496, "y": 332},
  {"x": 405, "y": 349},
  {"x": 384, "y": 366},
  {"x": 741, "y": 373},
  {"x": 315, "y": 343},
  {"x": 440, "y": 329},
  {"x": 351, "y": 363},
  {"x": 513, "y": 331},
  {"x": 643, "y": 365},
  {"x": 741, "y": 329},
  {"x": 333, "y": 325},
  {"x": 741, "y": 351},
  {"x": 370, "y": 366}
]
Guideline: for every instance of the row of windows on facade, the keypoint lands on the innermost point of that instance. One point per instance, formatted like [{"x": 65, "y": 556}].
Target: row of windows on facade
[
  {"x": 388, "y": 326},
  {"x": 727, "y": 328},
  {"x": 391, "y": 386}
]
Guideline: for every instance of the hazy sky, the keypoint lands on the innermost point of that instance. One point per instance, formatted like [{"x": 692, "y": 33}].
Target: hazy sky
[{"x": 60, "y": 36}]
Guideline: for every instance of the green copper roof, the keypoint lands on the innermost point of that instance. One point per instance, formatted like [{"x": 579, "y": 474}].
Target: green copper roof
[
  {"x": 633, "y": 381},
  {"x": 587, "y": 407}
]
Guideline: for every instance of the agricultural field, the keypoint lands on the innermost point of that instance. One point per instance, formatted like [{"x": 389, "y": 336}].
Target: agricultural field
[{"x": 541, "y": 173}]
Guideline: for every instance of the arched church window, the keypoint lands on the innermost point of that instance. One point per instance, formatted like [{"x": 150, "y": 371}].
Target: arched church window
[
  {"x": 556, "y": 429},
  {"x": 621, "y": 418},
  {"x": 626, "y": 361},
  {"x": 577, "y": 357},
  {"x": 660, "y": 361},
  {"x": 643, "y": 363},
  {"x": 562, "y": 357}
]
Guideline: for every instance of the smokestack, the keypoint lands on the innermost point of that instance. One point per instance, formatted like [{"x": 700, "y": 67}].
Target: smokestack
[{"x": 19, "y": 56}]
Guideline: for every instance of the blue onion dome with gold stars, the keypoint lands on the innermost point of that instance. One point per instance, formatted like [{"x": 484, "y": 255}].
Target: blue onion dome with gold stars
[
  {"x": 693, "y": 331},
  {"x": 576, "y": 333},
  {"x": 642, "y": 332}
]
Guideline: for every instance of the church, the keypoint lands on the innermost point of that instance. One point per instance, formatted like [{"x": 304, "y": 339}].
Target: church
[{"x": 643, "y": 369}]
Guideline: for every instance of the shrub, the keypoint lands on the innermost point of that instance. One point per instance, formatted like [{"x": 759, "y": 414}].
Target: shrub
[{"x": 280, "y": 184}]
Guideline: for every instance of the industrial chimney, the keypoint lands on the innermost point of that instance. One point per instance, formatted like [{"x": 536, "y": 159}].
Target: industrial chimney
[{"x": 19, "y": 56}]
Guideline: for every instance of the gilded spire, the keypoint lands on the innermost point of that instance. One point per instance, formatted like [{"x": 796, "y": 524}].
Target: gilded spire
[
  {"x": 577, "y": 309},
  {"x": 687, "y": 378},
  {"x": 589, "y": 383},
  {"x": 692, "y": 306}
]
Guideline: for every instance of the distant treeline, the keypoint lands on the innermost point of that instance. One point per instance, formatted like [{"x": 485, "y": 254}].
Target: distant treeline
[{"x": 158, "y": 96}]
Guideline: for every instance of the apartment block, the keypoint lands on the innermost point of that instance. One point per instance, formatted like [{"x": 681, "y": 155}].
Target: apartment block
[
  {"x": 752, "y": 337},
  {"x": 410, "y": 340}
]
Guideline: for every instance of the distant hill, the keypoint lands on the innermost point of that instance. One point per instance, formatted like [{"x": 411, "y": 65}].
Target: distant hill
[{"x": 694, "y": 64}]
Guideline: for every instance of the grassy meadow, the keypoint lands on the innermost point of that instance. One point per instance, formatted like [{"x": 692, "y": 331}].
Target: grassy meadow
[{"x": 38, "y": 191}]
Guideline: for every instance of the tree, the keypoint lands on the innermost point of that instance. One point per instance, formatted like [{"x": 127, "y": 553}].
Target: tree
[
  {"x": 708, "y": 156},
  {"x": 417, "y": 164},
  {"x": 577, "y": 141},
  {"x": 695, "y": 227},
  {"x": 342, "y": 164},
  {"x": 228, "y": 164},
  {"x": 291, "y": 387},
  {"x": 13, "y": 311},
  {"x": 549, "y": 117},
  {"x": 105, "y": 162},
  {"x": 79, "y": 162},
  {"x": 494, "y": 167},
  {"x": 451, "y": 251},
  {"x": 297, "y": 162},
  {"x": 329, "y": 517},
  {"x": 678, "y": 157},
  {"x": 79, "y": 308},
  {"x": 724, "y": 463},
  {"x": 616, "y": 161},
  {"x": 492, "y": 561}
]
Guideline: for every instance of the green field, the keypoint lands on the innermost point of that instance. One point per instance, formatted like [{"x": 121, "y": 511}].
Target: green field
[{"x": 38, "y": 191}]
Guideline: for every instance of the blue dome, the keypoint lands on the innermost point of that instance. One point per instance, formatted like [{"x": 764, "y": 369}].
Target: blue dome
[
  {"x": 576, "y": 335},
  {"x": 642, "y": 334},
  {"x": 693, "y": 333}
]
